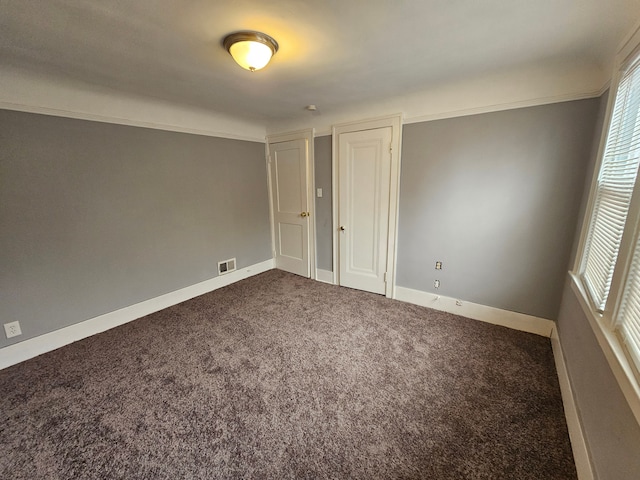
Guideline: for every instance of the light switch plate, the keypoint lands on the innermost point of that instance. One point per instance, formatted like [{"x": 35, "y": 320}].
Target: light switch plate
[{"x": 319, "y": 192}]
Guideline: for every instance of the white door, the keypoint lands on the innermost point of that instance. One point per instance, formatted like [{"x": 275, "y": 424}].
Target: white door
[
  {"x": 289, "y": 186},
  {"x": 364, "y": 188}
]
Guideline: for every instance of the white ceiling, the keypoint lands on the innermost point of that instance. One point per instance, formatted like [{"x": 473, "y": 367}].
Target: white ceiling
[{"x": 333, "y": 53}]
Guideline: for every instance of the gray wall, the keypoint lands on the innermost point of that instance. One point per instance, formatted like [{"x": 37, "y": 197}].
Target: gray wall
[
  {"x": 324, "y": 239},
  {"x": 611, "y": 430},
  {"x": 95, "y": 217},
  {"x": 495, "y": 197}
]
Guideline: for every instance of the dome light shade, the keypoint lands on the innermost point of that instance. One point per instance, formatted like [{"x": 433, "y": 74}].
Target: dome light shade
[{"x": 251, "y": 50}]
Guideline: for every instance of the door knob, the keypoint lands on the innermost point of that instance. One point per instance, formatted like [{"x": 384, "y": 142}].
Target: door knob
[
  {"x": 342, "y": 229},
  {"x": 304, "y": 214}
]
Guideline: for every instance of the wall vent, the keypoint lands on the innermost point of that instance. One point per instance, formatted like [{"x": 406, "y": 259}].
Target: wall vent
[{"x": 226, "y": 266}]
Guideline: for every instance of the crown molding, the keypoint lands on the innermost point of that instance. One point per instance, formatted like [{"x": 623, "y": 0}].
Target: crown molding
[
  {"x": 26, "y": 92},
  {"x": 126, "y": 121},
  {"x": 527, "y": 86},
  {"x": 498, "y": 107}
]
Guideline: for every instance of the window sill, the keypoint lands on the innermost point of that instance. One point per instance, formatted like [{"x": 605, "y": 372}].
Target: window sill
[{"x": 612, "y": 349}]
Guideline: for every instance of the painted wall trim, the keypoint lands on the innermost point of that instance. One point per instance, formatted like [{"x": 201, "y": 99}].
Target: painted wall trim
[
  {"x": 33, "y": 347},
  {"x": 475, "y": 311},
  {"x": 91, "y": 117},
  {"x": 26, "y": 91},
  {"x": 524, "y": 86},
  {"x": 324, "y": 276},
  {"x": 499, "y": 107},
  {"x": 581, "y": 455}
]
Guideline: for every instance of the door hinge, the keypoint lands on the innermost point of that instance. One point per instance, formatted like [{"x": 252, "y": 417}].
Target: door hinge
[
  {"x": 385, "y": 277},
  {"x": 391, "y": 148}
]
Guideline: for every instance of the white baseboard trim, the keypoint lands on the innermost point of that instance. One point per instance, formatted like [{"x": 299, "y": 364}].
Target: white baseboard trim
[
  {"x": 324, "y": 276},
  {"x": 19, "y": 352},
  {"x": 578, "y": 443},
  {"x": 496, "y": 316}
]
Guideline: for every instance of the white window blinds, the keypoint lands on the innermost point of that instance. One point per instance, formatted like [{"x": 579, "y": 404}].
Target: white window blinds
[
  {"x": 614, "y": 189},
  {"x": 628, "y": 318}
]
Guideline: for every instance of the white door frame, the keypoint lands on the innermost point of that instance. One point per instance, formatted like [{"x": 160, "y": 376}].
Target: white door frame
[
  {"x": 395, "y": 122},
  {"x": 308, "y": 136}
]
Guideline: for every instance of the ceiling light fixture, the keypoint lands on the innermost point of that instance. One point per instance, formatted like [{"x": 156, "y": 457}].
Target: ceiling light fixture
[{"x": 251, "y": 50}]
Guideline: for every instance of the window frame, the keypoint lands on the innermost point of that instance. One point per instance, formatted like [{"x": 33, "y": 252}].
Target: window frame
[{"x": 604, "y": 324}]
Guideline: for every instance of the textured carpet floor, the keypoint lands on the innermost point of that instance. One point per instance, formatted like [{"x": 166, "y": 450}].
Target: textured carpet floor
[{"x": 281, "y": 377}]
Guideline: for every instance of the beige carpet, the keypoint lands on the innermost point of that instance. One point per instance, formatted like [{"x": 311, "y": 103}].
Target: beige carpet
[{"x": 281, "y": 377}]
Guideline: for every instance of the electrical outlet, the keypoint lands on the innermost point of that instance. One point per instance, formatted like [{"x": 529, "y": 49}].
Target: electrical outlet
[
  {"x": 436, "y": 283},
  {"x": 12, "y": 329}
]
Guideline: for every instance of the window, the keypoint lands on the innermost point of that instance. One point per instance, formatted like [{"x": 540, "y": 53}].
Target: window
[
  {"x": 610, "y": 266},
  {"x": 628, "y": 317}
]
